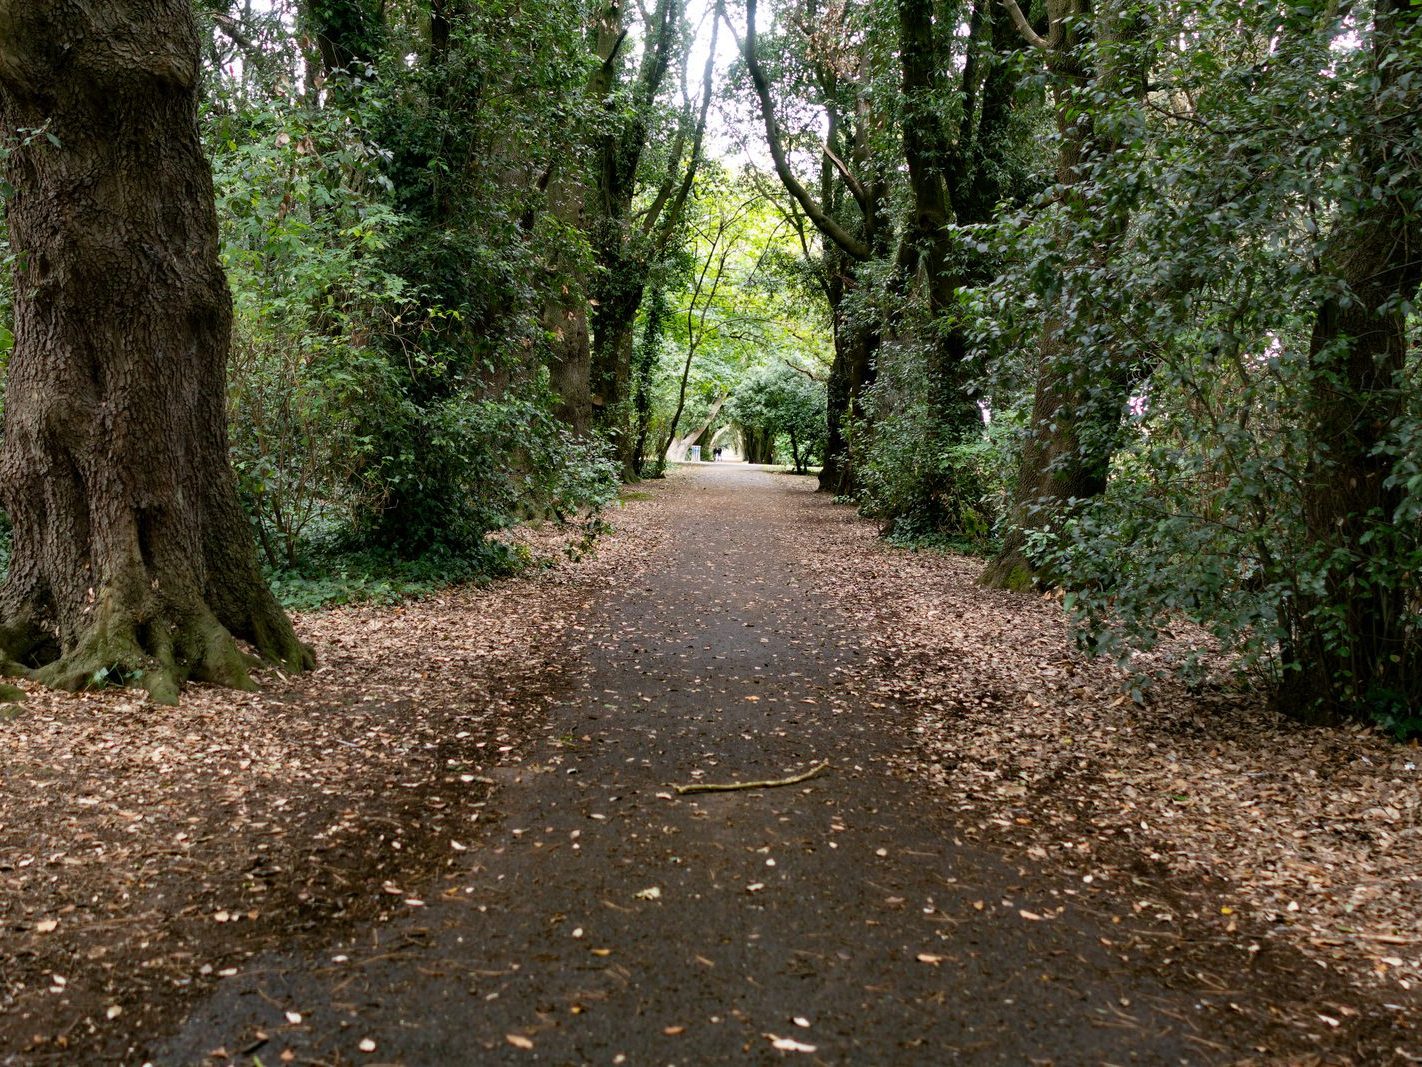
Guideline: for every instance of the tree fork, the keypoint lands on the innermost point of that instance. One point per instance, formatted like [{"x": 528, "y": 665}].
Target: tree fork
[{"x": 133, "y": 562}]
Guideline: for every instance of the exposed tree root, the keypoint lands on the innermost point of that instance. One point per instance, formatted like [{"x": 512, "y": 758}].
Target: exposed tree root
[
  {"x": 1010, "y": 570},
  {"x": 154, "y": 650},
  {"x": 730, "y": 787},
  {"x": 155, "y": 655}
]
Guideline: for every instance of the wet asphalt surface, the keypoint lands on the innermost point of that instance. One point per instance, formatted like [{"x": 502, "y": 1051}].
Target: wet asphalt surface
[{"x": 605, "y": 920}]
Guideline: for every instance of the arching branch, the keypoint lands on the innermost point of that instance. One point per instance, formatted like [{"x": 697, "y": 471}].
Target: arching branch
[
  {"x": 1057, "y": 13},
  {"x": 823, "y": 221}
]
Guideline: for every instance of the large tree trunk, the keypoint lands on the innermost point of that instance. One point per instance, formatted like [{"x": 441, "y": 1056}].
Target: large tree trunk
[
  {"x": 565, "y": 312},
  {"x": 617, "y": 294},
  {"x": 1352, "y": 644},
  {"x": 925, "y": 250},
  {"x": 1053, "y": 468},
  {"x": 856, "y": 347},
  {"x": 1081, "y": 394},
  {"x": 621, "y": 281},
  {"x": 133, "y": 561}
]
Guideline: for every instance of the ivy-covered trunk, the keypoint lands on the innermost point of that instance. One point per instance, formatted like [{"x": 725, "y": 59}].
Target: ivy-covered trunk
[
  {"x": 565, "y": 310},
  {"x": 1081, "y": 391},
  {"x": 851, "y": 374},
  {"x": 617, "y": 296},
  {"x": 1056, "y": 466},
  {"x": 133, "y": 561},
  {"x": 1351, "y": 647}
]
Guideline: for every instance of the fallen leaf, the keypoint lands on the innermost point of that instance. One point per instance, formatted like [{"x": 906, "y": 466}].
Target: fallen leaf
[{"x": 789, "y": 1044}]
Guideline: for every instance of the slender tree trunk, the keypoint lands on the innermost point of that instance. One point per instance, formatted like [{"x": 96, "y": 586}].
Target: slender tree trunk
[
  {"x": 133, "y": 560},
  {"x": 681, "y": 399}
]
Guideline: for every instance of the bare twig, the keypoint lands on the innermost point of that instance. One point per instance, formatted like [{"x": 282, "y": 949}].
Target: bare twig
[{"x": 728, "y": 787}]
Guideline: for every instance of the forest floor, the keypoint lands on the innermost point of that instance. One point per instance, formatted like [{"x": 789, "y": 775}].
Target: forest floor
[{"x": 459, "y": 840}]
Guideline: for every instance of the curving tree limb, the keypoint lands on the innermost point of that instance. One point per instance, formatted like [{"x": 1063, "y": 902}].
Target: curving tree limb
[{"x": 823, "y": 221}]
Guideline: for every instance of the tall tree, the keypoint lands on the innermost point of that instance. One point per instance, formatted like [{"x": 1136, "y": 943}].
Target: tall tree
[
  {"x": 620, "y": 283},
  {"x": 850, "y": 174},
  {"x": 1356, "y": 398},
  {"x": 1089, "y": 50},
  {"x": 133, "y": 561}
]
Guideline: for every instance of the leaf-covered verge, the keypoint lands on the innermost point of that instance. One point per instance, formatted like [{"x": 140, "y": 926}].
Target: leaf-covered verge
[
  {"x": 148, "y": 852},
  {"x": 1207, "y": 807}
]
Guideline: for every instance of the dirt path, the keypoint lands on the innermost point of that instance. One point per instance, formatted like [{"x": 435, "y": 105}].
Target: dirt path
[{"x": 604, "y": 919}]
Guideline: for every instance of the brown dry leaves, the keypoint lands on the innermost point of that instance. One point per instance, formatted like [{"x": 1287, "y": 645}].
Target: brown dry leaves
[
  {"x": 147, "y": 852},
  {"x": 1311, "y": 836}
]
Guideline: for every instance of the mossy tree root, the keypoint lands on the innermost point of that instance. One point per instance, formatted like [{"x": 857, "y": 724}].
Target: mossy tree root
[
  {"x": 156, "y": 651},
  {"x": 1011, "y": 570},
  {"x": 124, "y": 648}
]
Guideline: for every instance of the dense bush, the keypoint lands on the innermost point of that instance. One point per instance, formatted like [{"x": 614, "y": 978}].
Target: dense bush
[
  {"x": 1266, "y": 483},
  {"x": 925, "y": 482}
]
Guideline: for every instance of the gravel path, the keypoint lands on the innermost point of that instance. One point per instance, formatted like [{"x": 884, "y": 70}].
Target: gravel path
[{"x": 605, "y": 919}]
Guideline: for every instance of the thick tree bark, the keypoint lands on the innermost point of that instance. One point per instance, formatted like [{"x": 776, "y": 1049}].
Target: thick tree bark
[
  {"x": 133, "y": 562},
  {"x": 621, "y": 280},
  {"x": 1080, "y": 396},
  {"x": 1353, "y": 645}
]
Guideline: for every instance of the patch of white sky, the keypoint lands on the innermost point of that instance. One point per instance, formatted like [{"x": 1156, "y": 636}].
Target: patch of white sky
[{"x": 730, "y": 136}]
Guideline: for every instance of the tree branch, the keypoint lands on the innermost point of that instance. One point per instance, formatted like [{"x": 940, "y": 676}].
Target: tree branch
[
  {"x": 1056, "y": 14},
  {"x": 233, "y": 30},
  {"x": 855, "y": 187},
  {"x": 822, "y": 220}
]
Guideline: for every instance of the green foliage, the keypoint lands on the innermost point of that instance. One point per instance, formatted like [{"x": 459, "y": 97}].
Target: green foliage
[
  {"x": 925, "y": 483},
  {"x": 388, "y": 410},
  {"x": 787, "y": 408},
  {"x": 1214, "y": 297}
]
